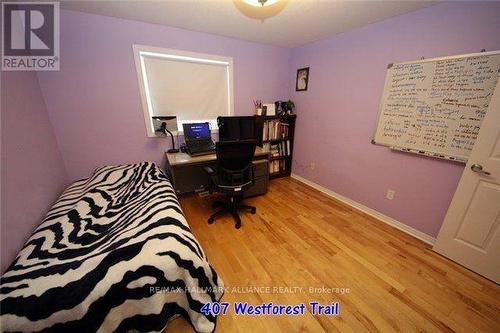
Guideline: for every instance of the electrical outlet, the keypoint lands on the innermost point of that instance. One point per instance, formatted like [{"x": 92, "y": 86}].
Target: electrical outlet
[
  {"x": 312, "y": 165},
  {"x": 390, "y": 194}
]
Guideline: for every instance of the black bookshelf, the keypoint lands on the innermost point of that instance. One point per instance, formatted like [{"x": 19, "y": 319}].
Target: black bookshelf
[{"x": 287, "y": 160}]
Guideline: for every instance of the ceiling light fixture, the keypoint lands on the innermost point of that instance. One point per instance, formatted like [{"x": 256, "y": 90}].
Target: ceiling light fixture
[
  {"x": 260, "y": 9},
  {"x": 260, "y": 3}
]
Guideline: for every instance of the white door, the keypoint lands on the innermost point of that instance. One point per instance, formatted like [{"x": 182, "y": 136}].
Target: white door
[{"x": 470, "y": 234}]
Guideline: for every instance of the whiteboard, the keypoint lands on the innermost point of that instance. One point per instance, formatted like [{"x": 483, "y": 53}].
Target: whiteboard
[{"x": 435, "y": 106}]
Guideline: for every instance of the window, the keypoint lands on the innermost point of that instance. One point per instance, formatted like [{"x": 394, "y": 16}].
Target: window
[{"x": 194, "y": 87}]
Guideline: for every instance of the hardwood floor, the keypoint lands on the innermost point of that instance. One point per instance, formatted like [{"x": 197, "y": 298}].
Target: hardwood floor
[{"x": 302, "y": 238}]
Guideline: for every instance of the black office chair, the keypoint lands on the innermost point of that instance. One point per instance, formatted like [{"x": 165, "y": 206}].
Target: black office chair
[{"x": 234, "y": 175}]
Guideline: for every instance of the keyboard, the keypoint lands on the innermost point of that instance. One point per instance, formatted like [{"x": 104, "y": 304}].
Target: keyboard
[{"x": 200, "y": 147}]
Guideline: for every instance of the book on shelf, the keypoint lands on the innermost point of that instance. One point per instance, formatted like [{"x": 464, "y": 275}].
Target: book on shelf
[
  {"x": 275, "y": 130},
  {"x": 277, "y": 139},
  {"x": 279, "y": 149},
  {"x": 277, "y": 166}
]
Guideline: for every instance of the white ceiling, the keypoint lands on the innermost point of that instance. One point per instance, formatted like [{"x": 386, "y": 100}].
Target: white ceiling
[{"x": 298, "y": 23}]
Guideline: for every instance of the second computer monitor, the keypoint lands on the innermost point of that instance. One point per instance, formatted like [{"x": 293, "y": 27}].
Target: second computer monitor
[{"x": 236, "y": 128}]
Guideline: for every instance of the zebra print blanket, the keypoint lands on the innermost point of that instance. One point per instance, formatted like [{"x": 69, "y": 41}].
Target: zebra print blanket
[{"x": 114, "y": 254}]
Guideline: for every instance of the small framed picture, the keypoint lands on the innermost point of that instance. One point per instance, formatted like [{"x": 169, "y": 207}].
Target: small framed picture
[{"x": 302, "y": 79}]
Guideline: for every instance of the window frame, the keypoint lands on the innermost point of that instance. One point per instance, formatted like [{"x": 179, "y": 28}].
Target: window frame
[{"x": 141, "y": 51}]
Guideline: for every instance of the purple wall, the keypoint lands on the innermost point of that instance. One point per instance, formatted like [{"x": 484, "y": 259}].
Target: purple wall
[
  {"x": 95, "y": 109},
  {"x": 337, "y": 115},
  {"x": 94, "y": 102},
  {"x": 32, "y": 174}
]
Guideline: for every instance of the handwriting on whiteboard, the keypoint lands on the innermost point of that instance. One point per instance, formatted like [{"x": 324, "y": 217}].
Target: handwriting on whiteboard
[{"x": 437, "y": 106}]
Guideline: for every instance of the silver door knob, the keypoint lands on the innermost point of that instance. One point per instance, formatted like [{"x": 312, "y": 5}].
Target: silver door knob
[{"x": 479, "y": 169}]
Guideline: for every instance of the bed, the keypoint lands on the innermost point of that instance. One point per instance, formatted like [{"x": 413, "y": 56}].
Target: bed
[{"x": 114, "y": 254}]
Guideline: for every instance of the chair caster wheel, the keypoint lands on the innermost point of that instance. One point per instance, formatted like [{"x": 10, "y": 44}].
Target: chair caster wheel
[
  {"x": 253, "y": 211},
  {"x": 238, "y": 225},
  {"x": 210, "y": 220}
]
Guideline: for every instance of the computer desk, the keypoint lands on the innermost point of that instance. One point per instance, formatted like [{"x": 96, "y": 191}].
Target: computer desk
[{"x": 187, "y": 174}]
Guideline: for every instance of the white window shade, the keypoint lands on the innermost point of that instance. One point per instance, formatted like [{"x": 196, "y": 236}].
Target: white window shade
[
  {"x": 191, "y": 91},
  {"x": 193, "y": 87}
]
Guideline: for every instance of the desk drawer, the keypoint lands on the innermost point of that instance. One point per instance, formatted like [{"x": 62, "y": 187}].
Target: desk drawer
[
  {"x": 260, "y": 187},
  {"x": 190, "y": 178},
  {"x": 261, "y": 168},
  {"x": 261, "y": 179}
]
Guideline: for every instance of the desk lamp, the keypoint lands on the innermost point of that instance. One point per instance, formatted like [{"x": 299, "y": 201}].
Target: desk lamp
[{"x": 164, "y": 125}]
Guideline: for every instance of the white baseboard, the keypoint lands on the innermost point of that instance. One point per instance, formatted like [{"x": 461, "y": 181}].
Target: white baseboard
[{"x": 367, "y": 210}]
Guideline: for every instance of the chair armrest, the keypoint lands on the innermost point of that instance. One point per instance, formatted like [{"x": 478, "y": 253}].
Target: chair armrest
[{"x": 209, "y": 170}]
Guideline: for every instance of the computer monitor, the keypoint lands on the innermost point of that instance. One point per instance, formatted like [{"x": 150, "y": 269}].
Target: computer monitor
[
  {"x": 196, "y": 131},
  {"x": 236, "y": 128}
]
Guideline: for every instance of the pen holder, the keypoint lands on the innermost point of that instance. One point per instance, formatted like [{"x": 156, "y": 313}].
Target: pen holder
[{"x": 258, "y": 111}]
